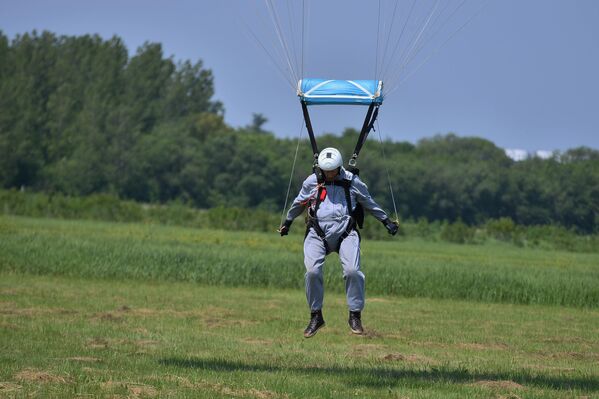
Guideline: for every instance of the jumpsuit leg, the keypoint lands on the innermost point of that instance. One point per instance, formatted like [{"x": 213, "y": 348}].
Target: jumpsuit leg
[
  {"x": 349, "y": 254},
  {"x": 314, "y": 255}
]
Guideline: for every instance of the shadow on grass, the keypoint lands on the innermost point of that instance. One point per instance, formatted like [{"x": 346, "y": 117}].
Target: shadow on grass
[{"x": 380, "y": 377}]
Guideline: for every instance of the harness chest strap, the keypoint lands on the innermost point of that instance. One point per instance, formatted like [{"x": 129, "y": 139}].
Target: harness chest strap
[{"x": 320, "y": 196}]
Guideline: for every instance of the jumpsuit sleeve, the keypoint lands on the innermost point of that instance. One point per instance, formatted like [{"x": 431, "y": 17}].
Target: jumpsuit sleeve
[
  {"x": 303, "y": 198},
  {"x": 364, "y": 198}
]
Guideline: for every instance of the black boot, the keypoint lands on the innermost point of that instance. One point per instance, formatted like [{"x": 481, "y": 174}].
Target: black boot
[
  {"x": 316, "y": 321},
  {"x": 355, "y": 322}
]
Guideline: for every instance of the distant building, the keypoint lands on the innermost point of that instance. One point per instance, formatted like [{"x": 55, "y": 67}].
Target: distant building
[
  {"x": 516, "y": 154},
  {"x": 520, "y": 155}
]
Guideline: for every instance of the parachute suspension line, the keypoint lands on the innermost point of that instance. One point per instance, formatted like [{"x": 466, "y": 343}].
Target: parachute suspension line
[
  {"x": 376, "y": 54},
  {"x": 396, "y": 47},
  {"x": 436, "y": 31},
  {"x": 415, "y": 40},
  {"x": 423, "y": 43},
  {"x": 272, "y": 58},
  {"x": 291, "y": 17},
  {"x": 436, "y": 50},
  {"x": 303, "y": 34},
  {"x": 388, "y": 38},
  {"x": 276, "y": 22},
  {"x": 299, "y": 138},
  {"x": 378, "y": 127}
]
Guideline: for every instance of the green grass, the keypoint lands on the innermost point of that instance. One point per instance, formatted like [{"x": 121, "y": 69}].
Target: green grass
[
  {"x": 82, "y": 337},
  {"x": 91, "y": 309},
  {"x": 493, "y": 272}
]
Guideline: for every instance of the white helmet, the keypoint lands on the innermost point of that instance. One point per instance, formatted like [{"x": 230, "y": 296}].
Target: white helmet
[{"x": 329, "y": 159}]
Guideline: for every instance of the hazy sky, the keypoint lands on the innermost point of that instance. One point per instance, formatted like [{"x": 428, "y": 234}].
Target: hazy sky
[{"x": 522, "y": 74}]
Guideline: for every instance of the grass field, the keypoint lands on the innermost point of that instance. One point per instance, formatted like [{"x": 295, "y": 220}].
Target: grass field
[
  {"x": 93, "y": 309},
  {"x": 66, "y": 337},
  {"x": 493, "y": 272}
]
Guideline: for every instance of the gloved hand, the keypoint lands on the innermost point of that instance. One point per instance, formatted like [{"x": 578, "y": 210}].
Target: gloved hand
[
  {"x": 284, "y": 229},
  {"x": 391, "y": 226}
]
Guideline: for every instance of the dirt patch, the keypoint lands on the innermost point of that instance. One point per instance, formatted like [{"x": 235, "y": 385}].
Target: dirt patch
[
  {"x": 97, "y": 343},
  {"x": 146, "y": 343},
  {"x": 240, "y": 392},
  {"x": 85, "y": 359},
  {"x": 379, "y": 300},
  {"x": 143, "y": 312},
  {"x": 218, "y": 322},
  {"x": 428, "y": 344},
  {"x": 8, "y": 326},
  {"x": 550, "y": 368},
  {"x": 143, "y": 391},
  {"x": 182, "y": 381},
  {"x": 30, "y": 375},
  {"x": 199, "y": 313},
  {"x": 570, "y": 355},
  {"x": 565, "y": 340},
  {"x": 258, "y": 341},
  {"x": 136, "y": 390},
  {"x": 371, "y": 333},
  {"x": 211, "y": 316},
  {"x": 577, "y": 355},
  {"x": 10, "y": 292},
  {"x": 108, "y": 316},
  {"x": 103, "y": 343},
  {"x": 463, "y": 345},
  {"x": 6, "y": 387},
  {"x": 222, "y": 389},
  {"x": 505, "y": 384},
  {"x": 141, "y": 331},
  {"x": 367, "y": 349},
  {"x": 411, "y": 358},
  {"x": 482, "y": 347},
  {"x": 29, "y": 312},
  {"x": 272, "y": 305}
]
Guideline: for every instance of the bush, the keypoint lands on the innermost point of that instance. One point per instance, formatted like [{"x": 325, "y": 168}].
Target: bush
[
  {"x": 110, "y": 208},
  {"x": 501, "y": 229},
  {"x": 457, "y": 233}
]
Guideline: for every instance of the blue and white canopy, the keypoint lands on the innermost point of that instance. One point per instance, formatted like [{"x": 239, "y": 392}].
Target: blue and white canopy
[{"x": 350, "y": 92}]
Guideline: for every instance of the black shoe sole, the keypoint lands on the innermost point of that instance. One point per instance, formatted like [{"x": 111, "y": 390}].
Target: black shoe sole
[{"x": 313, "y": 332}]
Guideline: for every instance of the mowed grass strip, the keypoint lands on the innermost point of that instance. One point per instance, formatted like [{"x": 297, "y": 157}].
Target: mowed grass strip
[
  {"x": 493, "y": 272},
  {"x": 66, "y": 337}
]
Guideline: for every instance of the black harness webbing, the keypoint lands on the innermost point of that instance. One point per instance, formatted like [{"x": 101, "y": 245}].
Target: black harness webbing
[
  {"x": 312, "y": 221},
  {"x": 367, "y": 126},
  {"x": 310, "y": 132},
  {"x": 357, "y": 214}
]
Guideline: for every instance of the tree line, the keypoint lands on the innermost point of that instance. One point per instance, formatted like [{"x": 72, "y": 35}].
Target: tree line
[{"x": 79, "y": 116}]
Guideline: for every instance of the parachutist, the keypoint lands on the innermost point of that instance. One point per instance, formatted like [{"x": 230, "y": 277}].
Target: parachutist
[{"x": 332, "y": 227}]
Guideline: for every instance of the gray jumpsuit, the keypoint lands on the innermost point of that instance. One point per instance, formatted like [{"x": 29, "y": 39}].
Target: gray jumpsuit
[{"x": 333, "y": 218}]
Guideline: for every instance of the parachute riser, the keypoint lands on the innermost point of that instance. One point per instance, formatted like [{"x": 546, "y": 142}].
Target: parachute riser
[
  {"x": 367, "y": 126},
  {"x": 310, "y": 130}
]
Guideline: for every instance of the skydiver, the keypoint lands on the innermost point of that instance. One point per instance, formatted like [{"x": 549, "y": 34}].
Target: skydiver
[{"x": 332, "y": 228}]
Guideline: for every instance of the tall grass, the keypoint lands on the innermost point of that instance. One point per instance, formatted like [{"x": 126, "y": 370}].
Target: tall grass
[
  {"x": 110, "y": 208},
  {"x": 494, "y": 272}
]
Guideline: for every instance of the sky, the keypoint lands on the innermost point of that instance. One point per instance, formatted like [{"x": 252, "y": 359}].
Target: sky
[{"x": 521, "y": 73}]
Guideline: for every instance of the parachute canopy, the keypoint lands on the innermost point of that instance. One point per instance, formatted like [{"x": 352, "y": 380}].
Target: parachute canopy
[{"x": 348, "y": 92}]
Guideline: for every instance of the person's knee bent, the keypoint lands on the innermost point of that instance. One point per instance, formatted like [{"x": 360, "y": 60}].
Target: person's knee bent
[
  {"x": 353, "y": 274},
  {"x": 314, "y": 273}
]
